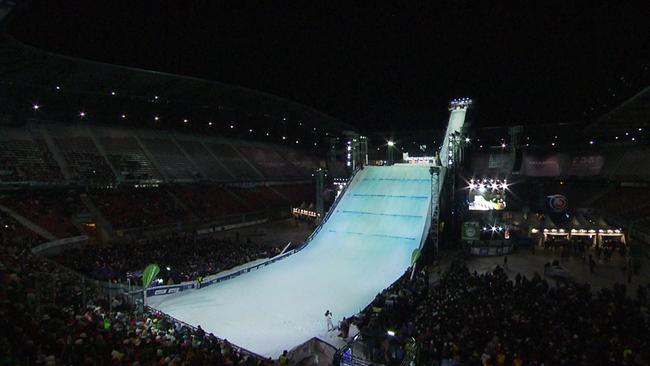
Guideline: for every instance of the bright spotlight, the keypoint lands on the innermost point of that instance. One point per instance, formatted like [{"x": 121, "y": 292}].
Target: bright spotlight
[
  {"x": 391, "y": 333},
  {"x": 391, "y": 143}
]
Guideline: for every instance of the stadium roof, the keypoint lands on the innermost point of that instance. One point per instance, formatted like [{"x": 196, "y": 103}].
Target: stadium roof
[
  {"x": 630, "y": 115},
  {"x": 26, "y": 66}
]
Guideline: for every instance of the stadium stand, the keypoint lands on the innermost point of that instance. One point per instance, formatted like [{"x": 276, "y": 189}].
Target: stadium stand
[
  {"x": 84, "y": 160},
  {"x": 304, "y": 164},
  {"x": 269, "y": 162},
  {"x": 488, "y": 319},
  {"x": 66, "y": 321},
  {"x": 26, "y": 158},
  {"x": 128, "y": 158},
  {"x": 205, "y": 161},
  {"x": 172, "y": 162},
  {"x": 297, "y": 194},
  {"x": 14, "y": 234},
  {"x": 53, "y": 210},
  {"x": 232, "y": 160},
  {"x": 182, "y": 257},
  {"x": 210, "y": 201},
  {"x": 259, "y": 197},
  {"x": 128, "y": 208}
]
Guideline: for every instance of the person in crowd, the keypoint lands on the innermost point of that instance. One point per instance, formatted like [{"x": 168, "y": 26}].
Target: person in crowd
[
  {"x": 592, "y": 264},
  {"x": 344, "y": 327},
  {"x": 283, "y": 360}
]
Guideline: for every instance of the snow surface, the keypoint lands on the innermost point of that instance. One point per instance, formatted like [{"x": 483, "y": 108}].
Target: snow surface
[{"x": 364, "y": 247}]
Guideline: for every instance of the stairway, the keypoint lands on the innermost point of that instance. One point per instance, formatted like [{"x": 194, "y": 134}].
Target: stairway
[
  {"x": 28, "y": 223},
  {"x": 104, "y": 225}
]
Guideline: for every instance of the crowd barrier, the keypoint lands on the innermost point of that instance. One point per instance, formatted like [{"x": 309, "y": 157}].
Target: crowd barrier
[{"x": 210, "y": 280}]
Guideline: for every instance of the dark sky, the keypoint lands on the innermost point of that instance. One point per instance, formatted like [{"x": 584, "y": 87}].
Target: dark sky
[{"x": 372, "y": 64}]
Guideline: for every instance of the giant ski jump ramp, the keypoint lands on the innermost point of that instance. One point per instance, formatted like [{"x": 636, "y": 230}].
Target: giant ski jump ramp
[{"x": 363, "y": 247}]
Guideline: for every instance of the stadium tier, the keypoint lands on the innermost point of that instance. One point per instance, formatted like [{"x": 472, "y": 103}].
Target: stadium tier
[{"x": 54, "y": 153}]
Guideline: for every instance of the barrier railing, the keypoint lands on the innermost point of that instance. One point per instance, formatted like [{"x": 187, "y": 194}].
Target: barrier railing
[
  {"x": 171, "y": 289},
  {"x": 351, "y": 355}
]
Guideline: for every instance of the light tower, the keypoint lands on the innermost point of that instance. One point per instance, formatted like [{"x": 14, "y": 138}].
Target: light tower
[{"x": 390, "y": 146}]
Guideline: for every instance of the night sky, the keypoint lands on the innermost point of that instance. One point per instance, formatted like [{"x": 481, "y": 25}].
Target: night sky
[{"x": 375, "y": 65}]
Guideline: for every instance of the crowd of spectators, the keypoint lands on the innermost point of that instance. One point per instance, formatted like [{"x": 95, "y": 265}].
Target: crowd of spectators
[
  {"x": 469, "y": 318},
  {"x": 49, "y": 318},
  {"x": 180, "y": 257},
  {"x": 129, "y": 208},
  {"x": 13, "y": 233},
  {"x": 51, "y": 209},
  {"x": 57, "y": 210}
]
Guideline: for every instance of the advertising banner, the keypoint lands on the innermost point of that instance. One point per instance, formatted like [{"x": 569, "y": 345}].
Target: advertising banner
[
  {"x": 470, "y": 231},
  {"x": 586, "y": 165},
  {"x": 542, "y": 166}
]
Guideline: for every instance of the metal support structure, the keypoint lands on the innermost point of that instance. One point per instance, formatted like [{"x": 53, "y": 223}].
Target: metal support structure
[
  {"x": 363, "y": 150},
  {"x": 515, "y": 143},
  {"x": 435, "y": 213},
  {"x": 356, "y": 150},
  {"x": 320, "y": 178}
]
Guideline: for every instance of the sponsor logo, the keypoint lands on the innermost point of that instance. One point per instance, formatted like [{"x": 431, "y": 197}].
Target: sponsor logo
[{"x": 557, "y": 202}]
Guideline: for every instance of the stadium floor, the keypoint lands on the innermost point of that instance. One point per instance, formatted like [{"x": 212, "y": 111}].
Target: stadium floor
[{"x": 526, "y": 263}]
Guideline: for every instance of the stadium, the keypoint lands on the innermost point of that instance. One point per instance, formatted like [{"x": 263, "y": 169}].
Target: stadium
[{"x": 155, "y": 218}]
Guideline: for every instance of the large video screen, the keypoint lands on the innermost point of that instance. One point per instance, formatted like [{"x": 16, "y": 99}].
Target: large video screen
[{"x": 487, "y": 194}]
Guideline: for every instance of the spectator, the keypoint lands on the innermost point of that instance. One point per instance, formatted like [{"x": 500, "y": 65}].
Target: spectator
[{"x": 486, "y": 319}]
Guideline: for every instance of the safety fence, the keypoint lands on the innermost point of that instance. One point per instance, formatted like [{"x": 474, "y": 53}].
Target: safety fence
[{"x": 172, "y": 289}]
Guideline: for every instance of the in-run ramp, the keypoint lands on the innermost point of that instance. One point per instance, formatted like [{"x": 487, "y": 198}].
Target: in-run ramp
[{"x": 364, "y": 246}]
